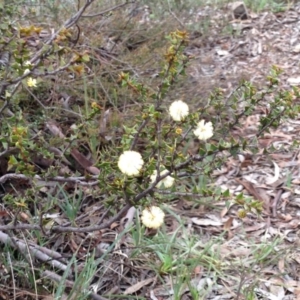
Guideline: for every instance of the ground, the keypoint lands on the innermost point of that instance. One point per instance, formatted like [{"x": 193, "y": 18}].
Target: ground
[{"x": 204, "y": 250}]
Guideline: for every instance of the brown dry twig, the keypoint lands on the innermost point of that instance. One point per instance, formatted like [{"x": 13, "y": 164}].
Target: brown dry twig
[
  {"x": 107, "y": 10},
  {"x": 62, "y": 228},
  {"x": 78, "y": 180},
  {"x": 17, "y": 243}
]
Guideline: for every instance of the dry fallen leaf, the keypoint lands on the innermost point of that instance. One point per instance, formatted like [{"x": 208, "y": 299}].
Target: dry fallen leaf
[
  {"x": 134, "y": 288},
  {"x": 206, "y": 222},
  {"x": 271, "y": 180},
  {"x": 257, "y": 193},
  {"x": 294, "y": 80},
  {"x": 228, "y": 223}
]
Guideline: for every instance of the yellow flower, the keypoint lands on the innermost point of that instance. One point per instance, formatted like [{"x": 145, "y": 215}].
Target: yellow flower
[
  {"x": 152, "y": 217},
  {"x": 178, "y": 130},
  {"x": 241, "y": 213},
  {"x": 95, "y": 105},
  {"x": 204, "y": 131},
  {"x": 31, "y": 82},
  {"x": 181, "y": 34},
  {"x": 166, "y": 182},
  {"x": 178, "y": 110},
  {"x": 130, "y": 163}
]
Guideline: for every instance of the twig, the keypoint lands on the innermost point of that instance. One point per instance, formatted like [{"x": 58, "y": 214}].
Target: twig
[
  {"x": 175, "y": 17},
  {"x": 67, "y": 229},
  {"x": 57, "y": 278},
  {"x": 50, "y": 252},
  {"x": 30, "y": 260},
  {"x": 275, "y": 202},
  {"x": 78, "y": 180},
  {"x": 73, "y": 20},
  {"x": 162, "y": 192},
  {"x": 16, "y": 243},
  {"x": 54, "y": 72},
  {"x": 12, "y": 274},
  {"x": 106, "y": 10},
  {"x": 139, "y": 130}
]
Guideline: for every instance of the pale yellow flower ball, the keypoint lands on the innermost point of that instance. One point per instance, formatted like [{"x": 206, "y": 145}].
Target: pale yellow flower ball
[
  {"x": 165, "y": 182},
  {"x": 26, "y": 71},
  {"x": 178, "y": 110},
  {"x": 31, "y": 82},
  {"x": 204, "y": 131},
  {"x": 130, "y": 163},
  {"x": 152, "y": 217}
]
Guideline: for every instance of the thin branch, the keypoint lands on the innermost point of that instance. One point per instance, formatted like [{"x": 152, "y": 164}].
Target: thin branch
[
  {"x": 16, "y": 243},
  {"x": 107, "y": 10},
  {"x": 12, "y": 274},
  {"x": 73, "y": 20},
  {"x": 175, "y": 17},
  {"x": 78, "y": 180},
  {"x": 68, "y": 229}
]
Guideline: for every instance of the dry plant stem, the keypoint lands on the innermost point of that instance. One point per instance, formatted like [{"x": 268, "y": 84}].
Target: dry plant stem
[
  {"x": 78, "y": 180},
  {"x": 275, "y": 202},
  {"x": 68, "y": 283},
  {"x": 107, "y": 10},
  {"x": 175, "y": 17},
  {"x": 12, "y": 274},
  {"x": 49, "y": 252},
  {"x": 68, "y": 229},
  {"x": 83, "y": 216},
  {"x": 103, "y": 216},
  {"x": 178, "y": 193},
  {"x": 57, "y": 278},
  {"x": 141, "y": 127},
  {"x": 242, "y": 282},
  {"x": 16, "y": 243},
  {"x": 56, "y": 71},
  {"x": 73, "y": 20},
  {"x": 30, "y": 260},
  {"x": 159, "y": 137},
  {"x": 107, "y": 94},
  {"x": 35, "y": 98}
]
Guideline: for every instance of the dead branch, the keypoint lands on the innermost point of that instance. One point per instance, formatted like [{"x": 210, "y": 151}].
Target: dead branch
[
  {"x": 68, "y": 229},
  {"x": 14, "y": 242}
]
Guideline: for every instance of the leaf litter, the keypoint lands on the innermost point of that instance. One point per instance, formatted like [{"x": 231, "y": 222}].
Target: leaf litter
[{"x": 270, "y": 178}]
